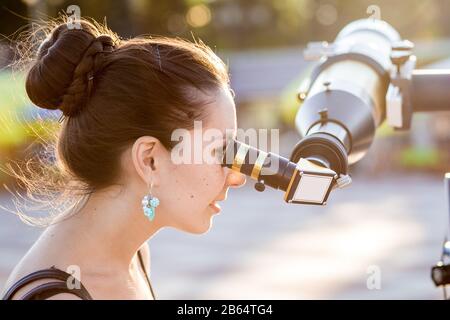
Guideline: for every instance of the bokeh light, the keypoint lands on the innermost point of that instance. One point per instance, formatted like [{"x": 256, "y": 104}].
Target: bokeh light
[{"x": 198, "y": 16}]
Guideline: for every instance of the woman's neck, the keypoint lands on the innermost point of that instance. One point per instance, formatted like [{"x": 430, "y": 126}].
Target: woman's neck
[{"x": 109, "y": 227}]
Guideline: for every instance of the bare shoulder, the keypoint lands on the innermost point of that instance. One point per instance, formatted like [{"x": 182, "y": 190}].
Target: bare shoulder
[{"x": 23, "y": 273}]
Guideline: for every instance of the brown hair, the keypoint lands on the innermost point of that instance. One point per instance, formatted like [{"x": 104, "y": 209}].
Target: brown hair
[{"x": 112, "y": 91}]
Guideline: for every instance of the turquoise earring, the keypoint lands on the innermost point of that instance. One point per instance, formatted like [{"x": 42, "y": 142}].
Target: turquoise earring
[{"x": 149, "y": 204}]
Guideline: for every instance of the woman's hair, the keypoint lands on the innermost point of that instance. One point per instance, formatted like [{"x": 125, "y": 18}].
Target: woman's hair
[{"x": 111, "y": 92}]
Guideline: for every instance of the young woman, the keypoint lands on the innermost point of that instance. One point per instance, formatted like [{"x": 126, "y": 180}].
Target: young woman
[{"x": 121, "y": 101}]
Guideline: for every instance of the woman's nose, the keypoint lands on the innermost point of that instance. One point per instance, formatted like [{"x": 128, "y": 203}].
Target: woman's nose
[{"x": 235, "y": 179}]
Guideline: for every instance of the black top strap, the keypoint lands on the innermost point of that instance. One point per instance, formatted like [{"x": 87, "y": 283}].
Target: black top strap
[
  {"x": 141, "y": 261},
  {"x": 49, "y": 289}
]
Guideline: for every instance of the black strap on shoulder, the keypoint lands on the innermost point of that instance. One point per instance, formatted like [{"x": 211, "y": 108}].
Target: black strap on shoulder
[
  {"x": 47, "y": 290},
  {"x": 50, "y": 289},
  {"x": 141, "y": 261}
]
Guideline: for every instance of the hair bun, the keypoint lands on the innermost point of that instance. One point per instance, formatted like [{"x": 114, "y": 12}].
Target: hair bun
[{"x": 61, "y": 77}]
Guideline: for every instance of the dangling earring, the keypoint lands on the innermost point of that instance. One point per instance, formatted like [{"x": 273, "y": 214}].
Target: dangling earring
[{"x": 149, "y": 204}]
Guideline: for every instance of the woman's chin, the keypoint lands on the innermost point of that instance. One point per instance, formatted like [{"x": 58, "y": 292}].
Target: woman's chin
[{"x": 203, "y": 226}]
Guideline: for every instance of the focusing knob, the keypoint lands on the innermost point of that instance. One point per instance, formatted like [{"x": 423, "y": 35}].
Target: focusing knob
[
  {"x": 260, "y": 186},
  {"x": 323, "y": 115}
]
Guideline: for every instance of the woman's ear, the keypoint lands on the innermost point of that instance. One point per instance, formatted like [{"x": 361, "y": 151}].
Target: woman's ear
[{"x": 143, "y": 154}]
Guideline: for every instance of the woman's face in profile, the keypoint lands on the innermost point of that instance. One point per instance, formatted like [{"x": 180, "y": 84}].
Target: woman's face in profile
[{"x": 189, "y": 192}]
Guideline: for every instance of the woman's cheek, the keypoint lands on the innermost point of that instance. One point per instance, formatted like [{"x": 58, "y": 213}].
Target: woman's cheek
[
  {"x": 192, "y": 188},
  {"x": 193, "y": 184},
  {"x": 208, "y": 186}
]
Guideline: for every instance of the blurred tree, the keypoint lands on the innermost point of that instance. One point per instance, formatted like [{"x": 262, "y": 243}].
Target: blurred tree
[
  {"x": 240, "y": 23},
  {"x": 265, "y": 23},
  {"x": 10, "y": 10}
]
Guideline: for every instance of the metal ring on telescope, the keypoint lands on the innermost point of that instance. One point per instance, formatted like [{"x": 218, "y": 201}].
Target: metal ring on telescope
[
  {"x": 350, "y": 56},
  {"x": 239, "y": 158},
  {"x": 258, "y": 165}
]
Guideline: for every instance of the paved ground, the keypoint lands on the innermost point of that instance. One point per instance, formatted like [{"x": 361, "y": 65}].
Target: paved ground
[{"x": 261, "y": 248}]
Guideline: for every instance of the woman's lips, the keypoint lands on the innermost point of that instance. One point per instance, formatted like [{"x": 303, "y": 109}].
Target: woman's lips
[{"x": 215, "y": 206}]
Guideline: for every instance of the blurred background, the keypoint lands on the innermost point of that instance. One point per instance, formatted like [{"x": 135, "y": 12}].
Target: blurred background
[{"x": 392, "y": 218}]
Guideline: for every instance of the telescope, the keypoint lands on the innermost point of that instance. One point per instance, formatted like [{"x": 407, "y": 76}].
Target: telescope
[
  {"x": 365, "y": 77},
  {"x": 304, "y": 182}
]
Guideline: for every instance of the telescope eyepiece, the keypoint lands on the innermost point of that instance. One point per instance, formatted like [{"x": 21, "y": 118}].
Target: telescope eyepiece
[
  {"x": 308, "y": 181},
  {"x": 274, "y": 170}
]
